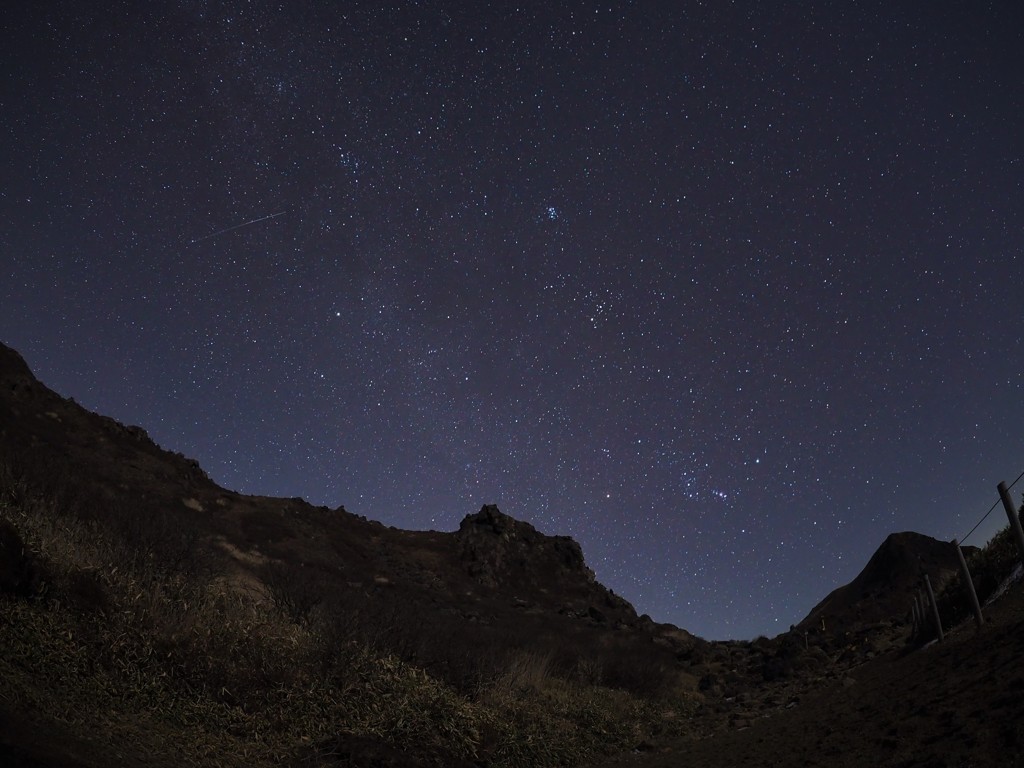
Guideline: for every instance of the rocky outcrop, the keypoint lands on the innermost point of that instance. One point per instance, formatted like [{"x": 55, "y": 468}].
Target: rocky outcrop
[
  {"x": 497, "y": 549},
  {"x": 13, "y": 366}
]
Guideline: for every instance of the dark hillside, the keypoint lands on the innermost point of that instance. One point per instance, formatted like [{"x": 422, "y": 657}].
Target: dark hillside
[
  {"x": 158, "y": 564},
  {"x": 955, "y": 704},
  {"x": 884, "y": 589},
  {"x": 492, "y": 569}
]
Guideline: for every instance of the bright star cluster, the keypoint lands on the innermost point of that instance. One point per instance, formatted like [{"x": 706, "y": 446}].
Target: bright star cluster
[{"x": 727, "y": 292}]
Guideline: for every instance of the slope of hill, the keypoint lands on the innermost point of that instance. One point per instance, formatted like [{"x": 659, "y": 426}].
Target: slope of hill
[
  {"x": 115, "y": 540},
  {"x": 149, "y": 617},
  {"x": 949, "y": 705},
  {"x": 493, "y": 568},
  {"x": 884, "y": 589}
]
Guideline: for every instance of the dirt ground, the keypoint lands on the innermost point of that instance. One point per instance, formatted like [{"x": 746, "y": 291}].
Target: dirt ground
[{"x": 957, "y": 704}]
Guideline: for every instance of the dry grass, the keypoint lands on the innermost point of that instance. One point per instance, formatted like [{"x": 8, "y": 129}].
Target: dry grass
[{"x": 159, "y": 663}]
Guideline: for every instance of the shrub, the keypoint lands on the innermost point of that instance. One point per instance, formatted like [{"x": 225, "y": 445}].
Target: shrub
[
  {"x": 21, "y": 574},
  {"x": 990, "y": 566},
  {"x": 294, "y": 590}
]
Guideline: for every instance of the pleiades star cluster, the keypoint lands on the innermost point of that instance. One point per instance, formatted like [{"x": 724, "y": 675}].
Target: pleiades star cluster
[{"x": 726, "y": 291}]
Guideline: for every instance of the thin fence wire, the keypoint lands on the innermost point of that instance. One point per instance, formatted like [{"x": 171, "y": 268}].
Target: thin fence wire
[
  {"x": 1015, "y": 481},
  {"x": 962, "y": 540}
]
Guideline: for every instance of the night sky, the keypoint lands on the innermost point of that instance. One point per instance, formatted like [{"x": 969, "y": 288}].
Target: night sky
[{"x": 725, "y": 291}]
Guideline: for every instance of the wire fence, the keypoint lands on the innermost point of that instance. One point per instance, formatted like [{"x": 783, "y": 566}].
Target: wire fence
[
  {"x": 990, "y": 510},
  {"x": 925, "y": 610}
]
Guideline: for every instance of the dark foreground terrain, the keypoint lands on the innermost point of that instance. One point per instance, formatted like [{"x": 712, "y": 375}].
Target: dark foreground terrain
[
  {"x": 150, "y": 618},
  {"x": 955, "y": 704}
]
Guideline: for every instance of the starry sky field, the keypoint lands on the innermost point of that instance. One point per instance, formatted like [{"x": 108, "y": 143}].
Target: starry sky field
[{"x": 727, "y": 291}]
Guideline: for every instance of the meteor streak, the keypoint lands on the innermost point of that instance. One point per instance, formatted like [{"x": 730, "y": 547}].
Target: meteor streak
[{"x": 237, "y": 226}]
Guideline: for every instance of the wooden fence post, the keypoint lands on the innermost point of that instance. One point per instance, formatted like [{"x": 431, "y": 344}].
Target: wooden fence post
[
  {"x": 978, "y": 618},
  {"x": 935, "y": 607},
  {"x": 1011, "y": 513}
]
